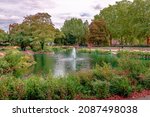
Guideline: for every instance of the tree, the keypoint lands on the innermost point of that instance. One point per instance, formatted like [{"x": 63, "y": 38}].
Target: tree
[
  {"x": 35, "y": 29},
  {"x": 3, "y": 36},
  {"x": 74, "y": 31},
  {"x": 59, "y": 37},
  {"x": 116, "y": 19},
  {"x": 21, "y": 35},
  {"x": 42, "y": 28},
  {"x": 98, "y": 33},
  {"x": 127, "y": 21}
]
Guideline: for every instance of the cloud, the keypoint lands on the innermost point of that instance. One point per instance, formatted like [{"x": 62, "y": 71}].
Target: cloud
[
  {"x": 97, "y": 7},
  {"x": 85, "y": 15}
]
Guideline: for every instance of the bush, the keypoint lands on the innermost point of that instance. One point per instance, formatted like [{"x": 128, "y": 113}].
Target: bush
[
  {"x": 12, "y": 88},
  {"x": 63, "y": 89},
  {"x": 103, "y": 73},
  {"x": 85, "y": 79},
  {"x": 15, "y": 62},
  {"x": 133, "y": 66},
  {"x": 35, "y": 88},
  {"x": 98, "y": 58},
  {"x": 145, "y": 81},
  {"x": 101, "y": 89},
  {"x": 120, "y": 86}
]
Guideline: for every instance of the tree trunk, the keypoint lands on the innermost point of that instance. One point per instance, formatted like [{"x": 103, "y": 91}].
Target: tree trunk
[
  {"x": 110, "y": 40},
  {"x": 148, "y": 40}
]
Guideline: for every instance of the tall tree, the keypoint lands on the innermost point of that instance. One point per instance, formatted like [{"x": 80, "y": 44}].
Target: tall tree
[
  {"x": 42, "y": 28},
  {"x": 98, "y": 33},
  {"x": 127, "y": 21},
  {"x": 35, "y": 29},
  {"x": 21, "y": 35},
  {"x": 74, "y": 30},
  {"x": 2, "y": 36}
]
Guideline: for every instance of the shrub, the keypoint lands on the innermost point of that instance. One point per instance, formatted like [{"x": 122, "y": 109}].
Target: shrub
[
  {"x": 35, "y": 88},
  {"x": 103, "y": 73},
  {"x": 101, "y": 89},
  {"x": 120, "y": 86},
  {"x": 98, "y": 58},
  {"x": 4, "y": 66},
  {"x": 12, "y": 88},
  {"x": 85, "y": 79},
  {"x": 135, "y": 67},
  {"x": 145, "y": 81},
  {"x": 16, "y": 63},
  {"x": 63, "y": 89}
]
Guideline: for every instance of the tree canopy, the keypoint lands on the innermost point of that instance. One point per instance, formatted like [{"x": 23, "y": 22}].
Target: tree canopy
[
  {"x": 128, "y": 21},
  {"x": 98, "y": 33},
  {"x": 74, "y": 31},
  {"x": 36, "y": 28},
  {"x": 3, "y": 37}
]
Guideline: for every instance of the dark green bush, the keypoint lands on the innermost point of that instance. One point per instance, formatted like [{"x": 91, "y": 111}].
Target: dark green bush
[
  {"x": 101, "y": 89},
  {"x": 85, "y": 79},
  {"x": 35, "y": 88},
  {"x": 63, "y": 89},
  {"x": 145, "y": 83},
  {"x": 120, "y": 86},
  {"x": 98, "y": 58}
]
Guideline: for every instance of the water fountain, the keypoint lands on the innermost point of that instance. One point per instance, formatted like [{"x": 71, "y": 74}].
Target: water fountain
[
  {"x": 73, "y": 54},
  {"x": 60, "y": 64}
]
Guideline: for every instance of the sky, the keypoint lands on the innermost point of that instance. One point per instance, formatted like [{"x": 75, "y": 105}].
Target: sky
[{"x": 13, "y": 11}]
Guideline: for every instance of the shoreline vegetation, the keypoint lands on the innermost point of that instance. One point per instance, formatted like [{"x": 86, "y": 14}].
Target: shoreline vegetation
[{"x": 122, "y": 76}]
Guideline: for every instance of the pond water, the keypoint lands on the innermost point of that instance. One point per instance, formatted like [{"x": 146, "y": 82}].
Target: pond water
[{"x": 60, "y": 64}]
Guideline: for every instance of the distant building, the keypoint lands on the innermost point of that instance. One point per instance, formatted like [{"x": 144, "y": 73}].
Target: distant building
[{"x": 115, "y": 42}]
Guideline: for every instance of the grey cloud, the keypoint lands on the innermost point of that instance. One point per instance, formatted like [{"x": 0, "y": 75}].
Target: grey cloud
[
  {"x": 97, "y": 7},
  {"x": 85, "y": 15},
  {"x": 63, "y": 16}
]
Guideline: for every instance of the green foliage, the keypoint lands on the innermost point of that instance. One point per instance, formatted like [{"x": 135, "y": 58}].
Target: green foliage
[
  {"x": 145, "y": 81},
  {"x": 98, "y": 33},
  {"x": 15, "y": 62},
  {"x": 66, "y": 91},
  {"x": 85, "y": 86},
  {"x": 3, "y": 37},
  {"x": 120, "y": 86},
  {"x": 100, "y": 57},
  {"x": 12, "y": 88},
  {"x": 135, "y": 55},
  {"x": 104, "y": 73},
  {"x": 127, "y": 21},
  {"x": 35, "y": 88},
  {"x": 75, "y": 31},
  {"x": 34, "y": 29},
  {"x": 101, "y": 89},
  {"x": 104, "y": 80},
  {"x": 134, "y": 67}
]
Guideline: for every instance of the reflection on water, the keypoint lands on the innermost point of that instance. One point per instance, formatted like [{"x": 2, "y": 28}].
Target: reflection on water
[{"x": 59, "y": 65}]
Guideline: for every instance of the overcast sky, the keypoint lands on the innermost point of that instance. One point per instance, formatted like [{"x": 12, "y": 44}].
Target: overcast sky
[{"x": 12, "y": 11}]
